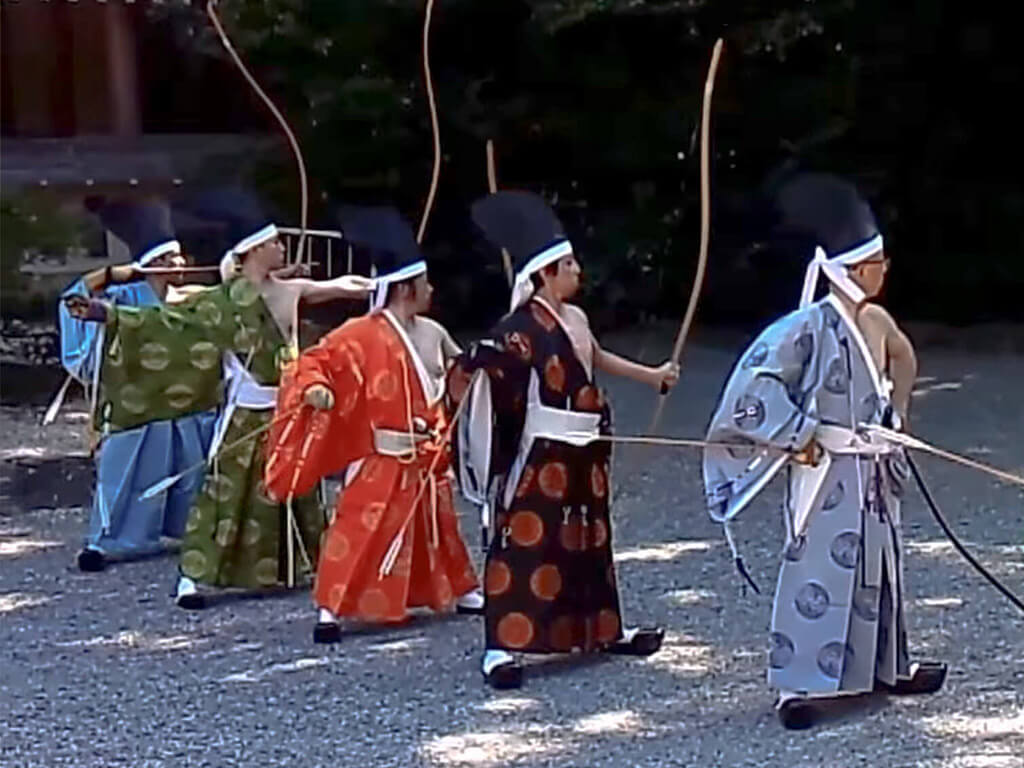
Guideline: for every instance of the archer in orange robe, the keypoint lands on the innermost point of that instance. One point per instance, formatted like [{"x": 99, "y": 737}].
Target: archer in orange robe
[{"x": 394, "y": 543}]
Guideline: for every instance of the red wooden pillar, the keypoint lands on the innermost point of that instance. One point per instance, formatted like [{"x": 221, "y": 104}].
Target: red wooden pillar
[{"x": 123, "y": 69}]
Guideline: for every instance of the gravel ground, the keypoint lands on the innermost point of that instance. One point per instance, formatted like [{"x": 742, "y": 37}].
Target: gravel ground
[{"x": 102, "y": 670}]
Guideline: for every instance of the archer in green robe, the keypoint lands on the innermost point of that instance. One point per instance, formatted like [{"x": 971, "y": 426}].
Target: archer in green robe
[{"x": 166, "y": 361}]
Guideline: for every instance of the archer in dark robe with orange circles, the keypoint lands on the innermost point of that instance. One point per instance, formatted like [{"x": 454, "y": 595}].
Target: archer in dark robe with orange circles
[{"x": 530, "y": 449}]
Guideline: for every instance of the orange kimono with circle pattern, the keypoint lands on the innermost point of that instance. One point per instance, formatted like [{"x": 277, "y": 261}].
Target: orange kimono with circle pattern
[{"x": 397, "y": 505}]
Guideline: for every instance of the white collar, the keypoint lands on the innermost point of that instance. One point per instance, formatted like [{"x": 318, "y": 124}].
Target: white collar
[
  {"x": 432, "y": 390},
  {"x": 862, "y": 344}
]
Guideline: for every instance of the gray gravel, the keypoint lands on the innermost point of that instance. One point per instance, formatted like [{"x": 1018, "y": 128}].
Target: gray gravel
[{"x": 102, "y": 670}]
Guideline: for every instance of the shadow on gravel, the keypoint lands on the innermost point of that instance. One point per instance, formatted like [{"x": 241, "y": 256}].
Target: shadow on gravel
[
  {"x": 541, "y": 668},
  {"x": 29, "y": 482}
]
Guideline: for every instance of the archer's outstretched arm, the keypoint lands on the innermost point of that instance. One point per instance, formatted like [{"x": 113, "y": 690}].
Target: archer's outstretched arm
[
  {"x": 316, "y": 291},
  {"x": 667, "y": 373}
]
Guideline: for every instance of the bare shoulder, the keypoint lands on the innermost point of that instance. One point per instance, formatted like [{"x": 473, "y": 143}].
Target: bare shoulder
[
  {"x": 883, "y": 322},
  {"x": 281, "y": 289},
  {"x": 877, "y": 318},
  {"x": 433, "y": 333},
  {"x": 432, "y": 324},
  {"x": 877, "y": 314},
  {"x": 576, "y": 313}
]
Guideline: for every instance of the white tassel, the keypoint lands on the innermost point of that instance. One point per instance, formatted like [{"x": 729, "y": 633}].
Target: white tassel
[
  {"x": 290, "y": 524},
  {"x": 390, "y": 557},
  {"x": 58, "y": 401},
  {"x": 163, "y": 485}
]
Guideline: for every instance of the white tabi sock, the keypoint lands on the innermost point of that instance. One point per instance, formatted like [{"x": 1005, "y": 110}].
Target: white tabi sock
[
  {"x": 628, "y": 633},
  {"x": 186, "y": 586},
  {"x": 324, "y": 616},
  {"x": 494, "y": 658},
  {"x": 473, "y": 599},
  {"x": 785, "y": 695}
]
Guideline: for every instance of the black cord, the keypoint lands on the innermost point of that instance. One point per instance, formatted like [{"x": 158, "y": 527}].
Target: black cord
[
  {"x": 746, "y": 574},
  {"x": 944, "y": 525}
]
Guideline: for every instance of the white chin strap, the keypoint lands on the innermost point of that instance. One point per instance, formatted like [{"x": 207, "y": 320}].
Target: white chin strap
[
  {"x": 379, "y": 295},
  {"x": 522, "y": 288},
  {"x": 835, "y": 269},
  {"x": 228, "y": 266}
]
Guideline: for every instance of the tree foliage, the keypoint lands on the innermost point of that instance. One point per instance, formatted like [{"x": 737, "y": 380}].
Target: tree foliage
[{"x": 596, "y": 104}]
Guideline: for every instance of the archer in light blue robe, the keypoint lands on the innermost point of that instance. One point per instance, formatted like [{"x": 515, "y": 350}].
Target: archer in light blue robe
[
  {"x": 838, "y": 621},
  {"x": 121, "y": 526}
]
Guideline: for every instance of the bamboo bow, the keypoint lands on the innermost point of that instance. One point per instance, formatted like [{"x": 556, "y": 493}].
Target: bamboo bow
[
  {"x": 705, "y": 224},
  {"x": 434, "y": 127},
  {"x": 492, "y": 186},
  {"x": 211, "y": 11}
]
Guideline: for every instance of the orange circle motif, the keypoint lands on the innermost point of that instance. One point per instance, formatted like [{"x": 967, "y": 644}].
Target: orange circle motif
[
  {"x": 598, "y": 533},
  {"x": 562, "y": 635},
  {"x": 546, "y": 582},
  {"x": 515, "y": 630},
  {"x": 373, "y": 604},
  {"x": 527, "y": 528},
  {"x": 372, "y": 514},
  {"x": 553, "y": 480},
  {"x": 525, "y": 481},
  {"x": 498, "y": 578},
  {"x": 571, "y": 536},
  {"x": 607, "y": 626},
  {"x": 337, "y": 546},
  {"x": 598, "y": 481},
  {"x": 554, "y": 374},
  {"x": 385, "y": 385},
  {"x": 588, "y": 398}
]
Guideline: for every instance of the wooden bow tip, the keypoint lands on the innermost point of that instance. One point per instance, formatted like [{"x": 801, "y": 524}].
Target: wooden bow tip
[
  {"x": 705, "y": 224},
  {"x": 211, "y": 12},
  {"x": 434, "y": 126}
]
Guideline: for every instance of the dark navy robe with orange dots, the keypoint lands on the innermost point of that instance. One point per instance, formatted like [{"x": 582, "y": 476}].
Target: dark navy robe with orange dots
[{"x": 549, "y": 578}]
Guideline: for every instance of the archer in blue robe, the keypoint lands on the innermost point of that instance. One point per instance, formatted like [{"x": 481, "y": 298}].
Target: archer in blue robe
[{"x": 121, "y": 526}]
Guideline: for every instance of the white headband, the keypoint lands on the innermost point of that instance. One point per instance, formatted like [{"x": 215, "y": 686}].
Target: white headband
[
  {"x": 380, "y": 284},
  {"x": 168, "y": 246},
  {"x": 229, "y": 261},
  {"x": 522, "y": 288},
  {"x": 835, "y": 270},
  {"x": 249, "y": 242}
]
